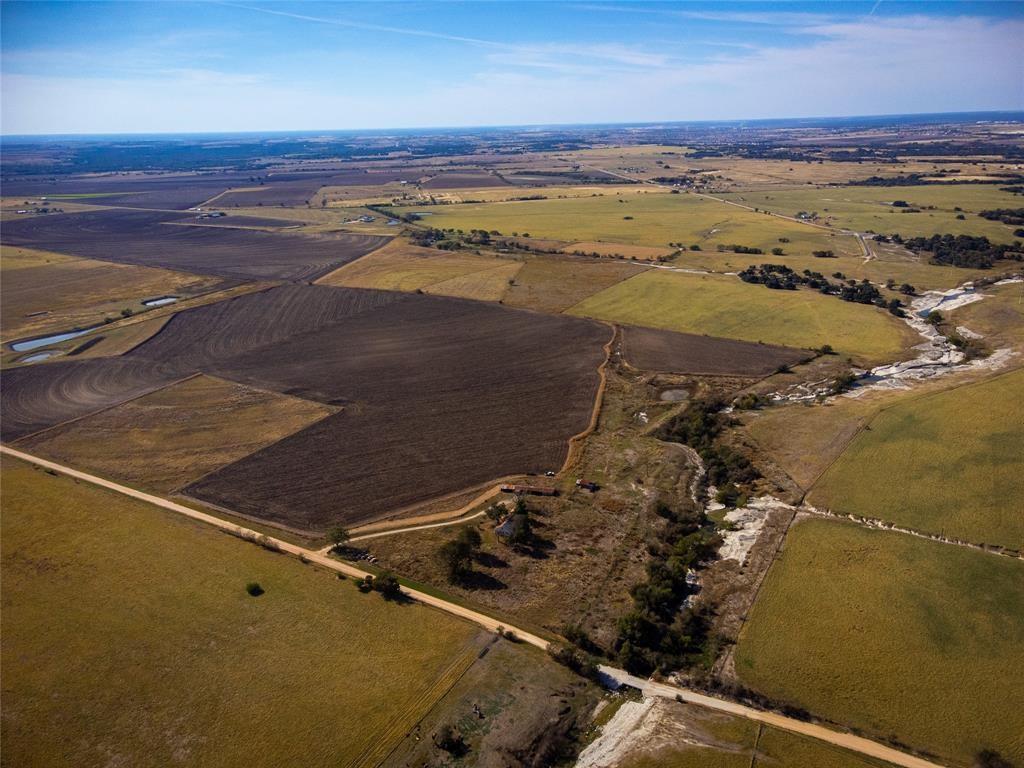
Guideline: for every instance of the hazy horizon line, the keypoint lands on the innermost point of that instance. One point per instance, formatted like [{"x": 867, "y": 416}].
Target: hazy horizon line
[{"x": 1016, "y": 115}]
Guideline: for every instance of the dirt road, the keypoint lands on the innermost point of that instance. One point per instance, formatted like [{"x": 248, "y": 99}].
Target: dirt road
[{"x": 845, "y": 740}]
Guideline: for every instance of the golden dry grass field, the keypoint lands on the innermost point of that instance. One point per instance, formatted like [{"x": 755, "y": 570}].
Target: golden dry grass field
[
  {"x": 893, "y": 634},
  {"x": 400, "y": 266},
  {"x": 43, "y": 292},
  {"x": 130, "y": 639}
]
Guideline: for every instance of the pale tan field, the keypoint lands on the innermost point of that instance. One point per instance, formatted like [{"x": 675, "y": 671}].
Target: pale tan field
[{"x": 169, "y": 438}]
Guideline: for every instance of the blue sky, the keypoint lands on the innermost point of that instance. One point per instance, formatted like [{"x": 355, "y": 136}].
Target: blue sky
[{"x": 84, "y": 67}]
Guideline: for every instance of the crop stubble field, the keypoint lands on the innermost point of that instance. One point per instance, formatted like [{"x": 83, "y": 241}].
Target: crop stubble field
[
  {"x": 865, "y": 627},
  {"x": 166, "y": 439},
  {"x": 400, "y": 266}
]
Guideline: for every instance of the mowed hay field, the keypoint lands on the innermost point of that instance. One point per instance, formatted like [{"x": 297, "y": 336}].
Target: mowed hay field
[
  {"x": 655, "y": 220},
  {"x": 725, "y": 306},
  {"x": 130, "y": 639},
  {"x": 43, "y": 292},
  {"x": 870, "y": 208},
  {"x": 168, "y": 438},
  {"x": 400, "y": 266},
  {"x": 894, "y": 635},
  {"x": 949, "y": 463}
]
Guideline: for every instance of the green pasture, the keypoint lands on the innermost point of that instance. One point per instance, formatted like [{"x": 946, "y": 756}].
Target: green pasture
[
  {"x": 651, "y": 219},
  {"x": 719, "y": 305},
  {"x": 894, "y": 635},
  {"x": 950, "y": 463}
]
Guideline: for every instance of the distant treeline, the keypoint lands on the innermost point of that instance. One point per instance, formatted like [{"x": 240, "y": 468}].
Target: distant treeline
[{"x": 920, "y": 179}]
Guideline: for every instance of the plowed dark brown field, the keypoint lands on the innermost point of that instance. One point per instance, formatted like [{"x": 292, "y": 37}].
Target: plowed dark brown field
[
  {"x": 669, "y": 352},
  {"x": 159, "y": 191},
  {"x": 464, "y": 180},
  {"x": 144, "y": 237},
  {"x": 41, "y": 396},
  {"x": 439, "y": 394},
  {"x": 298, "y": 188}
]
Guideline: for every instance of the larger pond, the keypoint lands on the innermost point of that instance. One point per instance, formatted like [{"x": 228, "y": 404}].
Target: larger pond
[{"x": 45, "y": 341}]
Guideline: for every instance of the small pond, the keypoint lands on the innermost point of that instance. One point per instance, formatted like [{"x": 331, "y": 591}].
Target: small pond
[{"x": 161, "y": 301}]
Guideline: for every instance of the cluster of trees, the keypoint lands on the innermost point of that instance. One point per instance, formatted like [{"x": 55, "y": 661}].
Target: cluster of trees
[
  {"x": 443, "y": 239},
  {"x": 970, "y": 251},
  {"x": 386, "y": 583},
  {"x": 781, "y": 277},
  {"x": 578, "y": 661},
  {"x": 700, "y": 426},
  {"x": 1013, "y": 216},
  {"x": 660, "y": 633},
  {"x": 740, "y": 249}
]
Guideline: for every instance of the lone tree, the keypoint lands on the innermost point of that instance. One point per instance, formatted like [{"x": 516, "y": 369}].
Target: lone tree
[
  {"x": 989, "y": 758},
  {"x": 338, "y": 536},
  {"x": 450, "y": 740},
  {"x": 457, "y": 555},
  {"x": 387, "y": 585}
]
